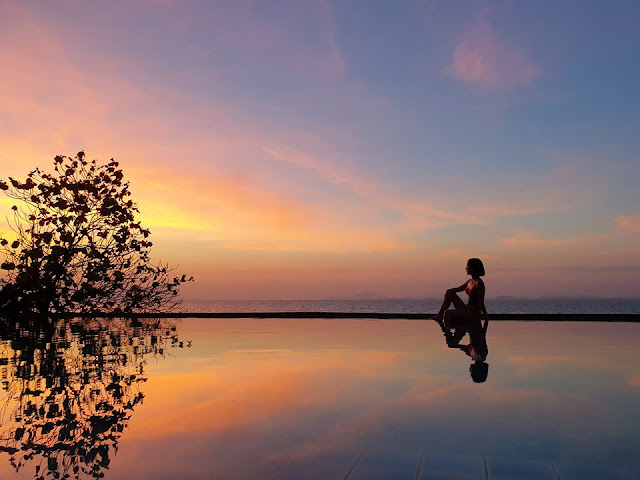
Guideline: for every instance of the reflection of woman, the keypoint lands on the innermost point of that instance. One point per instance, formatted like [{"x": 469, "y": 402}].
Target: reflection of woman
[{"x": 467, "y": 318}]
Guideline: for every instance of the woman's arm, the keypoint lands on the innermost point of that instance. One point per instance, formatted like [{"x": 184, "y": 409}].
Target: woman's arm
[{"x": 461, "y": 288}]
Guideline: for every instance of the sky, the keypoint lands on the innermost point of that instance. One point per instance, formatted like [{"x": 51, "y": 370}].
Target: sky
[{"x": 320, "y": 149}]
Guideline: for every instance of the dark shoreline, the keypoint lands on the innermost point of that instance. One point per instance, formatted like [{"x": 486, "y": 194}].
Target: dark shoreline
[{"x": 538, "y": 317}]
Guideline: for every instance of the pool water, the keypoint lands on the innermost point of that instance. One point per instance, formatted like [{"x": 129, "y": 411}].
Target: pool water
[{"x": 317, "y": 399}]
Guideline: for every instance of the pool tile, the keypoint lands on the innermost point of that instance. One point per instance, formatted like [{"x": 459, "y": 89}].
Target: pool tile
[
  {"x": 631, "y": 470},
  {"x": 582, "y": 471},
  {"x": 504, "y": 468},
  {"x": 321, "y": 466},
  {"x": 377, "y": 464},
  {"x": 452, "y": 467},
  {"x": 249, "y": 469}
]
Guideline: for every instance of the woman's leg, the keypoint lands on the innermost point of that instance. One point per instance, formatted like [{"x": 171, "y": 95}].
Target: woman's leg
[{"x": 450, "y": 298}]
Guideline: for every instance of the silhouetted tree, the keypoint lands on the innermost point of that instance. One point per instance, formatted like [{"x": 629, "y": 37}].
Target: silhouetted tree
[{"x": 77, "y": 245}]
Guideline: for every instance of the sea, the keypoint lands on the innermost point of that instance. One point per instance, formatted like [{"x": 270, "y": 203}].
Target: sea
[{"x": 411, "y": 305}]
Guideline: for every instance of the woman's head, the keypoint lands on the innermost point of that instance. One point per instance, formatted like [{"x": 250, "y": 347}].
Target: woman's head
[
  {"x": 479, "y": 372},
  {"x": 475, "y": 267}
]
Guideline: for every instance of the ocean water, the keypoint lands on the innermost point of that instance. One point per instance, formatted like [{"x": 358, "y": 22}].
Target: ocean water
[{"x": 409, "y": 305}]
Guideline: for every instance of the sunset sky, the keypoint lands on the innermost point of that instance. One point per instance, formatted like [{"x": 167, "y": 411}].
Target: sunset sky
[{"x": 316, "y": 148}]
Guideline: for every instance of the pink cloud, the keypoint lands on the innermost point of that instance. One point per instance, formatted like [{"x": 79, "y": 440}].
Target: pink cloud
[
  {"x": 482, "y": 58},
  {"x": 452, "y": 252},
  {"x": 418, "y": 213},
  {"x": 509, "y": 210},
  {"x": 628, "y": 223},
  {"x": 275, "y": 43},
  {"x": 526, "y": 238},
  {"x": 325, "y": 170}
]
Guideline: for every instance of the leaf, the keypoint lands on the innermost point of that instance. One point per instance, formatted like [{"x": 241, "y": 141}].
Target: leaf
[
  {"x": 15, "y": 244},
  {"x": 47, "y": 427}
]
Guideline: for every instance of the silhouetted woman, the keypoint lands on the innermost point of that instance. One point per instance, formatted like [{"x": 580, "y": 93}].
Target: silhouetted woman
[{"x": 468, "y": 318}]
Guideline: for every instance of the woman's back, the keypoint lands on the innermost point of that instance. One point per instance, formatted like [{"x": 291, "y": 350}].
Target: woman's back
[{"x": 475, "y": 290}]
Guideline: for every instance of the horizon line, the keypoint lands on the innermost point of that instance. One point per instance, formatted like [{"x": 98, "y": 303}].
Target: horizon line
[{"x": 438, "y": 298}]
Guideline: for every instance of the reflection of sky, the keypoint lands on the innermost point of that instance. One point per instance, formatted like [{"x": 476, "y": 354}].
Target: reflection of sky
[{"x": 309, "y": 395}]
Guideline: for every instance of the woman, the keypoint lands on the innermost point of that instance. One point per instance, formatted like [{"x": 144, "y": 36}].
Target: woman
[
  {"x": 474, "y": 288},
  {"x": 468, "y": 318}
]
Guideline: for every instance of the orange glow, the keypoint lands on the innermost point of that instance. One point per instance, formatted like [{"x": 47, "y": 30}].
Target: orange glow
[{"x": 251, "y": 386}]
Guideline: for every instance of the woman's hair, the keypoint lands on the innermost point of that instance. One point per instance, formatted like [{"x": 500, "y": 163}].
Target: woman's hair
[
  {"x": 475, "y": 267},
  {"x": 479, "y": 372}
]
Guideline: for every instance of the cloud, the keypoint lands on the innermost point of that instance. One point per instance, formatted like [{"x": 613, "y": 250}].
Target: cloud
[
  {"x": 169, "y": 142},
  {"x": 526, "y": 238},
  {"x": 417, "y": 213},
  {"x": 323, "y": 170},
  {"x": 482, "y": 58},
  {"x": 564, "y": 184},
  {"x": 298, "y": 38},
  {"x": 508, "y": 210},
  {"x": 459, "y": 253},
  {"x": 241, "y": 215},
  {"x": 628, "y": 223},
  {"x": 451, "y": 252},
  {"x": 580, "y": 269}
]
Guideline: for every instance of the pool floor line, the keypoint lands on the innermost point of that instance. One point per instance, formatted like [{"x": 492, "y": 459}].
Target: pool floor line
[
  {"x": 285, "y": 467},
  {"x": 419, "y": 465},
  {"x": 353, "y": 467}
]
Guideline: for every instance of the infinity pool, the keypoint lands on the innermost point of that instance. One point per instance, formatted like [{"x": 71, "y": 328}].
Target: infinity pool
[{"x": 317, "y": 399}]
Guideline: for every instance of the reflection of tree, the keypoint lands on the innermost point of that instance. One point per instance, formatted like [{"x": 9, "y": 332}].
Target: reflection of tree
[{"x": 71, "y": 387}]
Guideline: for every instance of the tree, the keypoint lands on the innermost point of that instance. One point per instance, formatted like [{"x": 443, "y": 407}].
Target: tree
[{"x": 77, "y": 245}]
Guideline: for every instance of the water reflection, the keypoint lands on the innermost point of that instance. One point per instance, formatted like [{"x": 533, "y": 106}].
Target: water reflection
[
  {"x": 69, "y": 389},
  {"x": 455, "y": 331},
  {"x": 308, "y": 399}
]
